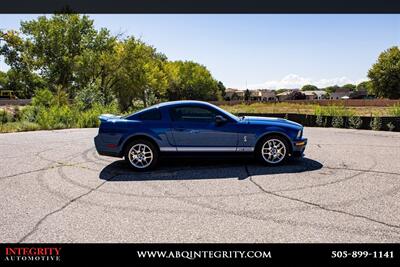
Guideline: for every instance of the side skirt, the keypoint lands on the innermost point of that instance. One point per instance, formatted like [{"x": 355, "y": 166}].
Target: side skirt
[{"x": 207, "y": 155}]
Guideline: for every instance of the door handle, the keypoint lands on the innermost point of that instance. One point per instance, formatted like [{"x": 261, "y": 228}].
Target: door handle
[
  {"x": 194, "y": 131},
  {"x": 179, "y": 129}
]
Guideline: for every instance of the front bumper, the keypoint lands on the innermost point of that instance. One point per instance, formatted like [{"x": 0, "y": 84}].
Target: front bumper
[{"x": 299, "y": 146}]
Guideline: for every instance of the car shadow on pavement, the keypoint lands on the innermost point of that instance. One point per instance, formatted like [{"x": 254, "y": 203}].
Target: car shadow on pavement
[{"x": 195, "y": 169}]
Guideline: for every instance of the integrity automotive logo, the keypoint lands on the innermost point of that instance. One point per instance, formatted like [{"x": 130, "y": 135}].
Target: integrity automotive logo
[{"x": 32, "y": 254}]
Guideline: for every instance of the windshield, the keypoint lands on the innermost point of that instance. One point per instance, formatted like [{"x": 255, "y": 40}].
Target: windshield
[{"x": 230, "y": 115}]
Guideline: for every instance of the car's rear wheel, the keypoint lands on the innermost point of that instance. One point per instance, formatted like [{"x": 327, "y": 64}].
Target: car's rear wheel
[
  {"x": 273, "y": 150},
  {"x": 141, "y": 155}
]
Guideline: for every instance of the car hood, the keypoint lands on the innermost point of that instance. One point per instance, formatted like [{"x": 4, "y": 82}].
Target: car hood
[{"x": 270, "y": 121}]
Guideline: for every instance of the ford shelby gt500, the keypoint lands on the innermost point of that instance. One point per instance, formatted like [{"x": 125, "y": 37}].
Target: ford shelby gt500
[{"x": 187, "y": 127}]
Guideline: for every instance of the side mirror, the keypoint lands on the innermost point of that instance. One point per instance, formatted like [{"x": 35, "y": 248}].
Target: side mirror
[{"x": 220, "y": 120}]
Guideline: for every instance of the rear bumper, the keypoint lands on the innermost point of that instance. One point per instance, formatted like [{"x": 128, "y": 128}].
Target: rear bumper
[{"x": 105, "y": 149}]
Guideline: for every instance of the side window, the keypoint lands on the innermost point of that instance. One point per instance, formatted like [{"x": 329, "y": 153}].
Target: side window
[
  {"x": 150, "y": 115},
  {"x": 193, "y": 114}
]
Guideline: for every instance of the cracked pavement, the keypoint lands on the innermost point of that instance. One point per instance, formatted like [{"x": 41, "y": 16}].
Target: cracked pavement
[{"x": 55, "y": 188}]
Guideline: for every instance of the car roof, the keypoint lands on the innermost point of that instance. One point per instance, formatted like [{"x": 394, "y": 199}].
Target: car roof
[{"x": 182, "y": 102}]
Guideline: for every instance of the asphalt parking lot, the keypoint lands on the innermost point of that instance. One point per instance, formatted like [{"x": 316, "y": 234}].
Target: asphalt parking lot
[{"x": 54, "y": 187}]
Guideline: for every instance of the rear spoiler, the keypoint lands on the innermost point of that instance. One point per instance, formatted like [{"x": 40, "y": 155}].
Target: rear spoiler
[{"x": 107, "y": 117}]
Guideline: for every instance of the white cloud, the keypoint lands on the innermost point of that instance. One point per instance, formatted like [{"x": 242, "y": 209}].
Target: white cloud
[{"x": 291, "y": 81}]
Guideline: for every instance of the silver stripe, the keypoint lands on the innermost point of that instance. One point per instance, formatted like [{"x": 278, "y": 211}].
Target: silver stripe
[
  {"x": 207, "y": 149},
  {"x": 245, "y": 149},
  {"x": 168, "y": 149}
]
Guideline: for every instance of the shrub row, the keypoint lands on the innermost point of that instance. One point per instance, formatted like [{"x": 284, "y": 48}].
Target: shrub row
[{"x": 352, "y": 122}]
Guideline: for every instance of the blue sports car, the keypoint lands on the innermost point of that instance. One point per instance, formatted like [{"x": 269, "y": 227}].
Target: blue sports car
[{"x": 183, "y": 127}]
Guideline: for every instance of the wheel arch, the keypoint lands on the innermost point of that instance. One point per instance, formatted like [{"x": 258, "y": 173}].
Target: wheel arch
[
  {"x": 276, "y": 133},
  {"x": 137, "y": 137}
]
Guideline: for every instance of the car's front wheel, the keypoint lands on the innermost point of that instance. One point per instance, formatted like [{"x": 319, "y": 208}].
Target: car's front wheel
[
  {"x": 273, "y": 150},
  {"x": 141, "y": 155}
]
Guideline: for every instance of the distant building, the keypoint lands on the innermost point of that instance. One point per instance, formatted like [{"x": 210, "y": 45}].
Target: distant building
[
  {"x": 263, "y": 95},
  {"x": 287, "y": 95},
  {"x": 340, "y": 92},
  {"x": 255, "y": 94},
  {"x": 320, "y": 94},
  {"x": 314, "y": 95},
  {"x": 268, "y": 95},
  {"x": 234, "y": 94}
]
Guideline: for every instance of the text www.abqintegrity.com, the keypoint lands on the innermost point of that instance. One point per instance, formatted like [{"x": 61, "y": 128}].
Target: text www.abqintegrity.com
[{"x": 203, "y": 254}]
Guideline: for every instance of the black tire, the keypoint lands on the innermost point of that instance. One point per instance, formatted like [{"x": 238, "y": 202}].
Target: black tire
[
  {"x": 271, "y": 138},
  {"x": 147, "y": 145}
]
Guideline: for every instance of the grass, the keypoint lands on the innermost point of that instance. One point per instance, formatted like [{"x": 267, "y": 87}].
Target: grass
[
  {"x": 19, "y": 126},
  {"x": 313, "y": 109},
  {"x": 395, "y": 110}
]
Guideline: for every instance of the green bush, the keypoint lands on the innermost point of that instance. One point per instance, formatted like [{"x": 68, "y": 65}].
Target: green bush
[
  {"x": 29, "y": 113},
  {"x": 5, "y": 116},
  {"x": 321, "y": 121},
  {"x": 89, "y": 118},
  {"x": 390, "y": 126},
  {"x": 355, "y": 122},
  {"x": 87, "y": 97},
  {"x": 376, "y": 123},
  {"x": 337, "y": 122},
  {"x": 57, "y": 117},
  {"x": 53, "y": 111},
  {"x": 43, "y": 98}
]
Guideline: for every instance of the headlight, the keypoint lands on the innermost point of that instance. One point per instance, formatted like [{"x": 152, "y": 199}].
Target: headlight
[{"x": 299, "y": 134}]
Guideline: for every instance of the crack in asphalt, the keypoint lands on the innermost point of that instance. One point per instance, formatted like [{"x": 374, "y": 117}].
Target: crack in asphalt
[
  {"x": 27, "y": 172},
  {"x": 57, "y": 165},
  {"x": 319, "y": 206},
  {"x": 361, "y": 170},
  {"x": 37, "y": 225},
  {"x": 351, "y": 144}
]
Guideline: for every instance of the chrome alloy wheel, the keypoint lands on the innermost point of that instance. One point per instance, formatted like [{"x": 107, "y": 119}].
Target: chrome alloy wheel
[
  {"x": 140, "y": 156},
  {"x": 273, "y": 151}
]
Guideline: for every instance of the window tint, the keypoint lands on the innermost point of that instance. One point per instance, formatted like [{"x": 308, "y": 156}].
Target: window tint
[
  {"x": 153, "y": 114},
  {"x": 195, "y": 114}
]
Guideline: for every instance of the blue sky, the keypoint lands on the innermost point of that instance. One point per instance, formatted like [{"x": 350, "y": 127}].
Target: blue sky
[{"x": 262, "y": 51}]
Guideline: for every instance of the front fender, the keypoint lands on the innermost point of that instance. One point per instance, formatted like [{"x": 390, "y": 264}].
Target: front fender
[{"x": 276, "y": 130}]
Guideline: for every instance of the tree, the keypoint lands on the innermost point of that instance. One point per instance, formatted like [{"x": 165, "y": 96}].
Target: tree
[
  {"x": 24, "y": 83},
  {"x": 66, "y": 54},
  {"x": 55, "y": 48},
  {"x": 190, "y": 80},
  {"x": 365, "y": 86},
  {"x": 309, "y": 87},
  {"x": 331, "y": 89},
  {"x": 247, "y": 95},
  {"x": 221, "y": 88},
  {"x": 3, "y": 79},
  {"x": 20, "y": 76},
  {"x": 140, "y": 74},
  {"x": 385, "y": 74},
  {"x": 349, "y": 86}
]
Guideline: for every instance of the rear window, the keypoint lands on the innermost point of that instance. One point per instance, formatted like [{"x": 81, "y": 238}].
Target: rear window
[{"x": 150, "y": 115}]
